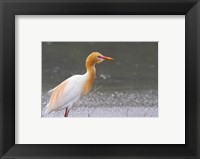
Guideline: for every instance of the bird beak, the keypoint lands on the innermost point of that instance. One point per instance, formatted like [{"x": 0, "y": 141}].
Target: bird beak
[{"x": 106, "y": 58}]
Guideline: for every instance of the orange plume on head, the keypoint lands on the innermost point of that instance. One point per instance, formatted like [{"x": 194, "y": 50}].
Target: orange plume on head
[
  {"x": 96, "y": 57},
  {"x": 92, "y": 59}
]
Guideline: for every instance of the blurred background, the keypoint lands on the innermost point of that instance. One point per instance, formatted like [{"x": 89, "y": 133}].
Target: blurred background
[{"x": 124, "y": 87}]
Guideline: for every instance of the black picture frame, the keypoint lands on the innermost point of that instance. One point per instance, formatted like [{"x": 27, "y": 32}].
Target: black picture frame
[{"x": 189, "y": 8}]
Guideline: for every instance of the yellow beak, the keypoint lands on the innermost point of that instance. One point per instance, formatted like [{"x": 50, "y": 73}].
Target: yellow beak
[{"x": 107, "y": 58}]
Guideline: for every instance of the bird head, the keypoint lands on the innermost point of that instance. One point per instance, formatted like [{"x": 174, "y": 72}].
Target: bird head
[{"x": 96, "y": 57}]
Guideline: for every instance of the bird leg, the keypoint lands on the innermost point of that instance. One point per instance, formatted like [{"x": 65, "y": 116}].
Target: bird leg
[{"x": 66, "y": 112}]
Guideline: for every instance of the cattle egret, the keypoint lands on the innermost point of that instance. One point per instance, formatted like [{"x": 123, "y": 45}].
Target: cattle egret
[{"x": 72, "y": 89}]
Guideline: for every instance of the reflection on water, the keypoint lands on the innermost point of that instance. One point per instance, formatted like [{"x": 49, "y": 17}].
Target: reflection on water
[{"x": 127, "y": 86}]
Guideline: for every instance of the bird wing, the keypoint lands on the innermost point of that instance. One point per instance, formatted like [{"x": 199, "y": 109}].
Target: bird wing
[{"x": 66, "y": 93}]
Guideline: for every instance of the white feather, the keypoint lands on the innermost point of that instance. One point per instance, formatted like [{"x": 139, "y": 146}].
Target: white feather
[{"x": 71, "y": 94}]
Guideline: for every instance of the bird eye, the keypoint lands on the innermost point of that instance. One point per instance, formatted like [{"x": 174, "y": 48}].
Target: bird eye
[{"x": 99, "y": 56}]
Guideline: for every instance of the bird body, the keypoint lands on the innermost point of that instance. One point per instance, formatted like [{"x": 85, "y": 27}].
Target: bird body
[{"x": 72, "y": 89}]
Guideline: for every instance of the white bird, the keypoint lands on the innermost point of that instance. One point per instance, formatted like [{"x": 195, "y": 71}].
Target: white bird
[{"x": 67, "y": 93}]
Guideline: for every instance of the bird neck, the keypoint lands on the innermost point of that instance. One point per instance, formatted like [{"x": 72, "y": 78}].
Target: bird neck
[
  {"x": 90, "y": 66},
  {"x": 91, "y": 72}
]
